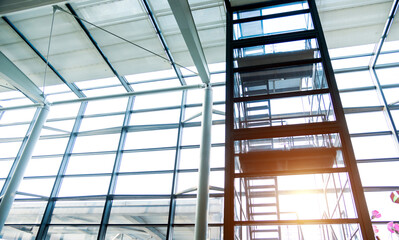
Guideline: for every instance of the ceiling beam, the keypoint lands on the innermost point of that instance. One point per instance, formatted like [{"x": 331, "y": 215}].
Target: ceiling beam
[
  {"x": 163, "y": 41},
  {"x": 122, "y": 79},
  {"x": 71, "y": 86},
  {"x": 181, "y": 11},
  {"x": 13, "y": 75}
]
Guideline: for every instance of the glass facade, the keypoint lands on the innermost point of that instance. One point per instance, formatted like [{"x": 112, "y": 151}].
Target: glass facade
[{"x": 118, "y": 166}]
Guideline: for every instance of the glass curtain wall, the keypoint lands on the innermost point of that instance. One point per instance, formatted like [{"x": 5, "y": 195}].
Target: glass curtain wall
[
  {"x": 118, "y": 168},
  {"x": 80, "y": 145}
]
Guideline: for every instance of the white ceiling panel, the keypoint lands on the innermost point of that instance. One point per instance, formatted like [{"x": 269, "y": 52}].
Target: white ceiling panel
[
  {"x": 346, "y": 23},
  {"x": 141, "y": 65},
  {"x": 34, "y": 70},
  {"x": 159, "y": 5},
  {"x": 86, "y": 72},
  {"x": 18, "y": 51}
]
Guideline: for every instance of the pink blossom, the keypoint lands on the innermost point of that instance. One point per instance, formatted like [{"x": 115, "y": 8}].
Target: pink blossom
[
  {"x": 396, "y": 227},
  {"x": 375, "y": 229},
  {"x": 390, "y": 227},
  {"x": 375, "y": 214}
]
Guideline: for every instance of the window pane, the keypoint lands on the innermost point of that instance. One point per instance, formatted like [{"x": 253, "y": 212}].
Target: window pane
[
  {"x": 89, "y": 123},
  {"x": 353, "y": 80},
  {"x": 35, "y": 166},
  {"x": 90, "y": 164},
  {"x": 77, "y": 212},
  {"x": 19, "y": 232},
  {"x": 379, "y": 173},
  {"x": 9, "y": 149},
  {"x": 144, "y": 184},
  {"x": 366, "y": 122},
  {"x": 144, "y": 211},
  {"x": 106, "y": 106},
  {"x": 151, "y": 139},
  {"x": 13, "y": 131},
  {"x": 72, "y": 232},
  {"x": 155, "y": 117},
  {"x": 374, "y": 147},
  {"x": 148, "y": 161},
  {"x": 5, "y": 166},
  {"x": 24, "y": 212},
  {"x": 150, "y": 232},
  {"x": 96, "y": 143},
  {"x": 360, "y": 99},
  {"x": 41, "y": 187},
  {"x": 50, "y": 146},
  {"x": 84, "y": 186},
  {"x": 22, "y": 115},
  {"x": 63, "y": 110},
  {"x": 157, "y": 100}
]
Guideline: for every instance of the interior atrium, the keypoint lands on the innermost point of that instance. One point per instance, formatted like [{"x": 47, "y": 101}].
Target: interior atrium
[{"x": 199, "y": 119}]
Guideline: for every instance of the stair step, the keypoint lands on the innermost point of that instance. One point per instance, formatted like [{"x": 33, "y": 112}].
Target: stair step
[
  {"x": 262, "y": 186},
  {"x": 263, "y": 213},
  {"x": 265, "y": 239},
  {"x": 262, "y": 194},
  {"x": 264, "y": 230},
  {"x": 263, "y": 205}
]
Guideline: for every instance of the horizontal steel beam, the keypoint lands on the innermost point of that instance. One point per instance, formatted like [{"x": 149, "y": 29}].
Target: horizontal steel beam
[{"x": 286, "y": 131}]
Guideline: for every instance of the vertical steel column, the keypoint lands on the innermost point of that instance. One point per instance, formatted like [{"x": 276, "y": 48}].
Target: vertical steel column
[
  {"x": 20, "y": 151},
  {"x": 228, "y": 230},
  {"x": 118, "y": 159},
  {"x": 172, "y": 204},
  {"x": 9, "y": 196},
  {"x": 43, "y": 229},
  {"x": 201, "y": 218},
  {"x": 347, "y": 150}
]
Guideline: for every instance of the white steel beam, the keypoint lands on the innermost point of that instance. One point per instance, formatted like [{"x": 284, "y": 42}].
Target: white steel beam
[
  {"x": 181, "y": 11},
  {"x": 13, "y": 75}
]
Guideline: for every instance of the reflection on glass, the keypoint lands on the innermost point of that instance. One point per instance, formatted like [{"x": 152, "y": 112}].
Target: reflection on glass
[
  {"x": 140, "y": 211},
  {"x": 77, "y": 212},
  {"x": 72, "y": 232},
  {"x": 135, "y": 232},
  {"x": 26, "y": 212}
]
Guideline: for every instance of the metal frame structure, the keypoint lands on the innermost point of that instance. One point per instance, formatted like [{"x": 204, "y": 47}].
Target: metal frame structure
[
  {"x": 168, "y": 229},
  {"x": 238, "y": 134}
]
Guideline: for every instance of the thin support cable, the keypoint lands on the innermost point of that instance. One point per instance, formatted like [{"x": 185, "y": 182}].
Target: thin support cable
[
  {"x": 124, "y": 39},
  {"x": 48, "y": 51}
]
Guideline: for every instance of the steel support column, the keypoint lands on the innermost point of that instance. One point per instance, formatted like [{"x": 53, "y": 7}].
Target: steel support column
[
  {"x": 9, "y": 196},
  {"x": 201, "y": 218},
  {"x": 228, "y": 230}
]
